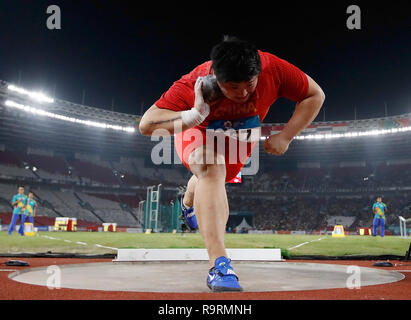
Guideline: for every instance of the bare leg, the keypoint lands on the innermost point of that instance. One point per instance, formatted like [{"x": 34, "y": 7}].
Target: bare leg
[
  {"x": 188, "y": 199},
  {"x": 210, "y": 204}
]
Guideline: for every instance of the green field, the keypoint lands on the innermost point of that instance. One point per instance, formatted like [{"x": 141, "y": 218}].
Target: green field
[{"x": 66, "y": 242}]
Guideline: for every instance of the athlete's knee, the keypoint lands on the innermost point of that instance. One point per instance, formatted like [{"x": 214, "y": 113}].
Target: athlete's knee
[
  {"x": 214, "y": 171},
  {"x": 204, "y": 162},
  {"x": 205, "y": 155}
]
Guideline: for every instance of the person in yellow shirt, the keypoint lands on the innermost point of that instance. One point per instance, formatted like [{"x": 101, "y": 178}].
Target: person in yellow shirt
[{"x": 31, "y": 208}]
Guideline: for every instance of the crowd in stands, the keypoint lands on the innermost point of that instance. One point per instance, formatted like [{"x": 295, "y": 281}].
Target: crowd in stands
[
  {"x": 306, "y": 199},
  {"x": 281, "y": 213},
  {"x": 302, "y": 212},
  {"x": 332, "y": 179}
]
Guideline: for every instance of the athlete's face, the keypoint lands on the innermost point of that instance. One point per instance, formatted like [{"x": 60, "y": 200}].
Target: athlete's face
[
  {"x": 379, "y": 200},
  {"x": 239, "y": 92},
  {"x": 30, "y": 195},
  {"x": 21, "y": 190}
]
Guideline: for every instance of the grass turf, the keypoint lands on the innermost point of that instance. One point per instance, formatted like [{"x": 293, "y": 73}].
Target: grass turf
[{"x": 67, "y": 242}]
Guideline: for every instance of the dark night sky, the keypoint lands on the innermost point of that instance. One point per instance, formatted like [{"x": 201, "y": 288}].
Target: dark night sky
[{"x": 133, "y": 53}]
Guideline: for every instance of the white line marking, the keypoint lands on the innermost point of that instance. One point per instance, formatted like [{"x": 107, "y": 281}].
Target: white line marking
[
  {"x": 297, "y": 246},
  {"x": 79, "y": 242},
  {"x": 52, "y": 238},
  {"x": 68, "y": 241},
  {"x": 10, "y": 270},
  {"x": 100, "y": 246},
  {"x": 304, "y": 243}
]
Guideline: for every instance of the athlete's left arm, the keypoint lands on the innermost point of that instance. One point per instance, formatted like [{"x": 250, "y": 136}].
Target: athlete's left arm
[{"x": 305, "y": 112}]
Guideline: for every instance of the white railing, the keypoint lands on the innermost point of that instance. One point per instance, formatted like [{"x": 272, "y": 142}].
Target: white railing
[{"x": 403, "y": 226}]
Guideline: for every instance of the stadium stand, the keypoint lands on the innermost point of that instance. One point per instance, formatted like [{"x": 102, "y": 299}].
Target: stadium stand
[{"x": 94, "y": 172}]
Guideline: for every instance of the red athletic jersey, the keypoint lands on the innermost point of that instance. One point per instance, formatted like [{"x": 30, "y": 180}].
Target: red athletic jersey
[{"x": 278, "y": 78}]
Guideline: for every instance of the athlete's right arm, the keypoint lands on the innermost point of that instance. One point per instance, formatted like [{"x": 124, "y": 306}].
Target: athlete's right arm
[
  {"x": 156, "y": 118},
  {"x": 171, "y": 122}
]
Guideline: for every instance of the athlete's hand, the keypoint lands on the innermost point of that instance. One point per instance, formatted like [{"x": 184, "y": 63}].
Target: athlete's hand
[
  {"x": 199, "y": 103},
  {"x": 200, "y": 111},
  {"x": 276, "y": 144}
]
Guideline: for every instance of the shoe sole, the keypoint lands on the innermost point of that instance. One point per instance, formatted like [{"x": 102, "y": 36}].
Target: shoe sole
[{"x": 223, "y": 289}]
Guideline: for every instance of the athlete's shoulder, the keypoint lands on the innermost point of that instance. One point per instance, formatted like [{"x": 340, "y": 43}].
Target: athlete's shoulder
[
  {"x": 269, "y": 60},
  {"x": 199, "y": 71},
  {"x": 275, "y": 67},
  {"x": 266, "y": 55},
  {"x": 180, "y": 96}
]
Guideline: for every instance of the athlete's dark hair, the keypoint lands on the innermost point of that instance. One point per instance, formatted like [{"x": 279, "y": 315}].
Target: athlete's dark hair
[{"x": 235, "y": 60}]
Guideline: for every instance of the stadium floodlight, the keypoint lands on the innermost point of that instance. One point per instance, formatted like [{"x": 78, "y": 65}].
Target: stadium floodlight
[
  {"x": 90, "y": 123},
  {"x": 352, "y": 134},
  {"x": 38, "y": 96}
]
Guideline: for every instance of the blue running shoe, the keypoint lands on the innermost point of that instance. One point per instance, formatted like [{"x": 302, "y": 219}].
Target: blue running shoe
[
  {"x": 189, "y": 216},
  {"x": 222, "y": 278}
]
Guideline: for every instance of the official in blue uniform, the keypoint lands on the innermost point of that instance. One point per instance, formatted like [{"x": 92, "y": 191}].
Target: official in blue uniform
[
  {"x": 379, "y": 209},
  {"x": 19, "y": 203}
]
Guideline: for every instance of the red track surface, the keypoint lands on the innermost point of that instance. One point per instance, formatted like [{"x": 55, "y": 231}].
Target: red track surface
[{"x": 12, "y": 290}]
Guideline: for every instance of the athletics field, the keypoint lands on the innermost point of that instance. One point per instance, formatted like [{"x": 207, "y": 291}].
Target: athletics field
[{"x": 108, "y": 243}]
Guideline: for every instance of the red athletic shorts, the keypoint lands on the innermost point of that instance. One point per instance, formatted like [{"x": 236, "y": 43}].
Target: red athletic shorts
[{"x": 189, "y": 140}]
